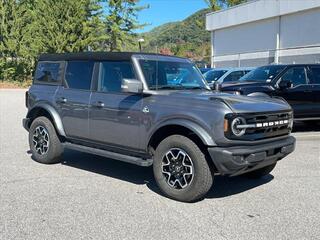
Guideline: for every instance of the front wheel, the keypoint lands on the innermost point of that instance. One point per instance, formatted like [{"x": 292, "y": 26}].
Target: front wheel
[
  {"x": 44, "y": 143},
  {"x": 181, "y": 170},
  {"x": 259, "y": 173}
]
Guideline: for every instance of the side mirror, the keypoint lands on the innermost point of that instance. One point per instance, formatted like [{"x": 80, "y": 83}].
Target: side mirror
[
  {"x": 131, "y": 86},
  {"x": 284, "y": 84}
]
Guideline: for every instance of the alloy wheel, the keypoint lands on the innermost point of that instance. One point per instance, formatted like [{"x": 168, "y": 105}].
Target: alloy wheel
[
  {"x": 177, "y": 167},
  {"x": 40, "y": 139}
]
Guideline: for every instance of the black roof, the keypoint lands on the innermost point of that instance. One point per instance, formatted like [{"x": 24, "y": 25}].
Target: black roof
[{"x": 111, "y": 56}]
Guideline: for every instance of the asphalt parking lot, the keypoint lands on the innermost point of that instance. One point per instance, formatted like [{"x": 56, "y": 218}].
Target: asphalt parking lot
[{"x": 89, "y": 197}]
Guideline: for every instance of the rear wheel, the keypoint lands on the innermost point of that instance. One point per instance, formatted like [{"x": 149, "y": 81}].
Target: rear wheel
[
  {"x": 43, "y": 141},
  {"x": 260, "y": 172},
  {"x": 181, "y": 170}
]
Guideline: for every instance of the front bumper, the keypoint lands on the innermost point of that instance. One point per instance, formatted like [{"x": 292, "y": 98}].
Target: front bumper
[
  {"x": 241, "y": 159},
  {"x": 25, "y": 123}
]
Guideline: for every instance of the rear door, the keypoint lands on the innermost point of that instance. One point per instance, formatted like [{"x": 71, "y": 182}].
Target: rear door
[
  {"x": 314, "y": 76},
  {"x": 115, "y": 117},
  {"x": 300, "y": 95},
  {"x": 73, "y": 98}
]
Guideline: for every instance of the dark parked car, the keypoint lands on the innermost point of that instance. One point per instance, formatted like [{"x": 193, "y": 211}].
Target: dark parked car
[
  {"x": 299, "y": 84},
  {"x": 123, "y": 106},
  {"x": 204, "y": 70}
]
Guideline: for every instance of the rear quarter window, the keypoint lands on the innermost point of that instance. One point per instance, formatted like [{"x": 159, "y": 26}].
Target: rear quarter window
[{"x": 48, "y": 73}]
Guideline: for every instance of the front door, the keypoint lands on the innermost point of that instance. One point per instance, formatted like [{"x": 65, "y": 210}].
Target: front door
[
  {"x": 300, "y": 95},
  {"x": 73, "y": 99},
  {"x": 115, "y": 118}
]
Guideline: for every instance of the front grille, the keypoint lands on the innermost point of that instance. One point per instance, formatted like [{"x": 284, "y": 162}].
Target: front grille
[{"x": 262, "y": 126}]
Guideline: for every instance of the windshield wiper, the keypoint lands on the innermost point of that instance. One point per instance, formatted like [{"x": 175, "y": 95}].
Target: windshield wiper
[
  {"x": 167, "y": 87},
  {"x": 251, "y": 80},
  {"x": 198, "y": 87},
  {"x": 178, "y": 87}
]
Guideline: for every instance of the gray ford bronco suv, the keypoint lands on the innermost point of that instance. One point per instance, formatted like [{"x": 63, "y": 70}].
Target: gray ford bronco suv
[{"x": 150, "y": 109}]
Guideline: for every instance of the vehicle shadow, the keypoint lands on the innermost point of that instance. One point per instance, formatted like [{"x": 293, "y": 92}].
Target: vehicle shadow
[
  {"x": 228, "y": 186},
  {"x": 306, "y": 127},
  {"x": 223, "y": 186},
  {"x": 107, "y": 167}
]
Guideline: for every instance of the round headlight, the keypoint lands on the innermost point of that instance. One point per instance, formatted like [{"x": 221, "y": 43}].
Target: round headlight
[{"x": 234, "y": 126}]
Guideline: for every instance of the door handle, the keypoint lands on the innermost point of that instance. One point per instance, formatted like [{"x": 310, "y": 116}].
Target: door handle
[
  {"x": 98, "y": 104},
  {"x": 307, "y": 91},
  {"x": 61, "y": 100}
]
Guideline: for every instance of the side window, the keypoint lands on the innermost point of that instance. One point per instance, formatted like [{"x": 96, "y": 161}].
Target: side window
[
  {"x": 234, "y": 76},
  {"x": 151, "y": 74},
  {"x": 48, "y": 72},
  {"x": 210, "y": 77},
  {"x": 111, "y": 75},
  {"x": 315, "y": 71},
  {"x": 79, "y": 74},
  {"x": 296, "y": 75}
]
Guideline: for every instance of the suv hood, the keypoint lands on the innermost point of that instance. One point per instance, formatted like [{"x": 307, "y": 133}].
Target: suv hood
[{"x": 237, "y": 103}]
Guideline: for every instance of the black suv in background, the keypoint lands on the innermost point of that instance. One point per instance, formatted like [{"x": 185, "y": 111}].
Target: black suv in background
[
  {"x": 298, "y": 84},
  {"x": 125, "y": 106}
]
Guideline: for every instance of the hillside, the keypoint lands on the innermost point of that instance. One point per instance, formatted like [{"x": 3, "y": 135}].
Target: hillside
[{"x": 185, "y": 38}]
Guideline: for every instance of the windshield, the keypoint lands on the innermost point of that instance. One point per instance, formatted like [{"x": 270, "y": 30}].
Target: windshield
[
  {"x": 214, "y": 75},
  {"x": 172, "y": 75},
  {"x": 263, "y": 74}
]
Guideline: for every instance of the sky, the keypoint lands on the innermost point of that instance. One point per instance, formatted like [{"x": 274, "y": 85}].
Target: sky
[{"x": 163, "y": 11}]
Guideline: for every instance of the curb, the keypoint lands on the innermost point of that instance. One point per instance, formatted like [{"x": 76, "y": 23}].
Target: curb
[{"x": 13, "y": 89}]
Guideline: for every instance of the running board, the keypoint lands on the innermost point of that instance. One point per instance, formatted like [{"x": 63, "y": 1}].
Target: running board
[{"x": 104, "y": 153}]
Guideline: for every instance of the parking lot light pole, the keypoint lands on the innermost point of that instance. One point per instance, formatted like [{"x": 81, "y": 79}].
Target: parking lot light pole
[{"x": 140, "y": 41}]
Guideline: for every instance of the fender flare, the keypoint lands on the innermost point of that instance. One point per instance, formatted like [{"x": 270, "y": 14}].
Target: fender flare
[
  {"x": 192, "y": 126},
  {"x": 53, "y": 113}
]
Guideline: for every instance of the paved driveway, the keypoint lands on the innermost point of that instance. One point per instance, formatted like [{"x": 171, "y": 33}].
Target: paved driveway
[{"x": 89, "y": 197}]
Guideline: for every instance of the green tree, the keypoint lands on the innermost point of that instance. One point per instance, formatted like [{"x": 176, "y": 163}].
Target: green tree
[
  {"x": 214, "y": 5},
  {"x": 230, "y": 3},
  {"x": 218, "y": 4},
  {"x": 67, "y": 25},
  {"x": 12, "y": 23},
  {"x": 121, "y": 21},
  {"x": 31, "y": 27}
]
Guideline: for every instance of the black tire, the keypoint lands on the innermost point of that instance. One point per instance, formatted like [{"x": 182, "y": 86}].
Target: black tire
[
  {"x": 259, "y": 173},
  {"x": 202, "y": 177},
  {"x": 52, "y": 153}
]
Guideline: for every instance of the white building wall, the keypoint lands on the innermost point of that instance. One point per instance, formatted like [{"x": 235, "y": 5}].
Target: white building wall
[
  {"x": 250, "y": 37},
  {"x": 300, "y": 29},
  {"x": 266, "y": 31}
]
